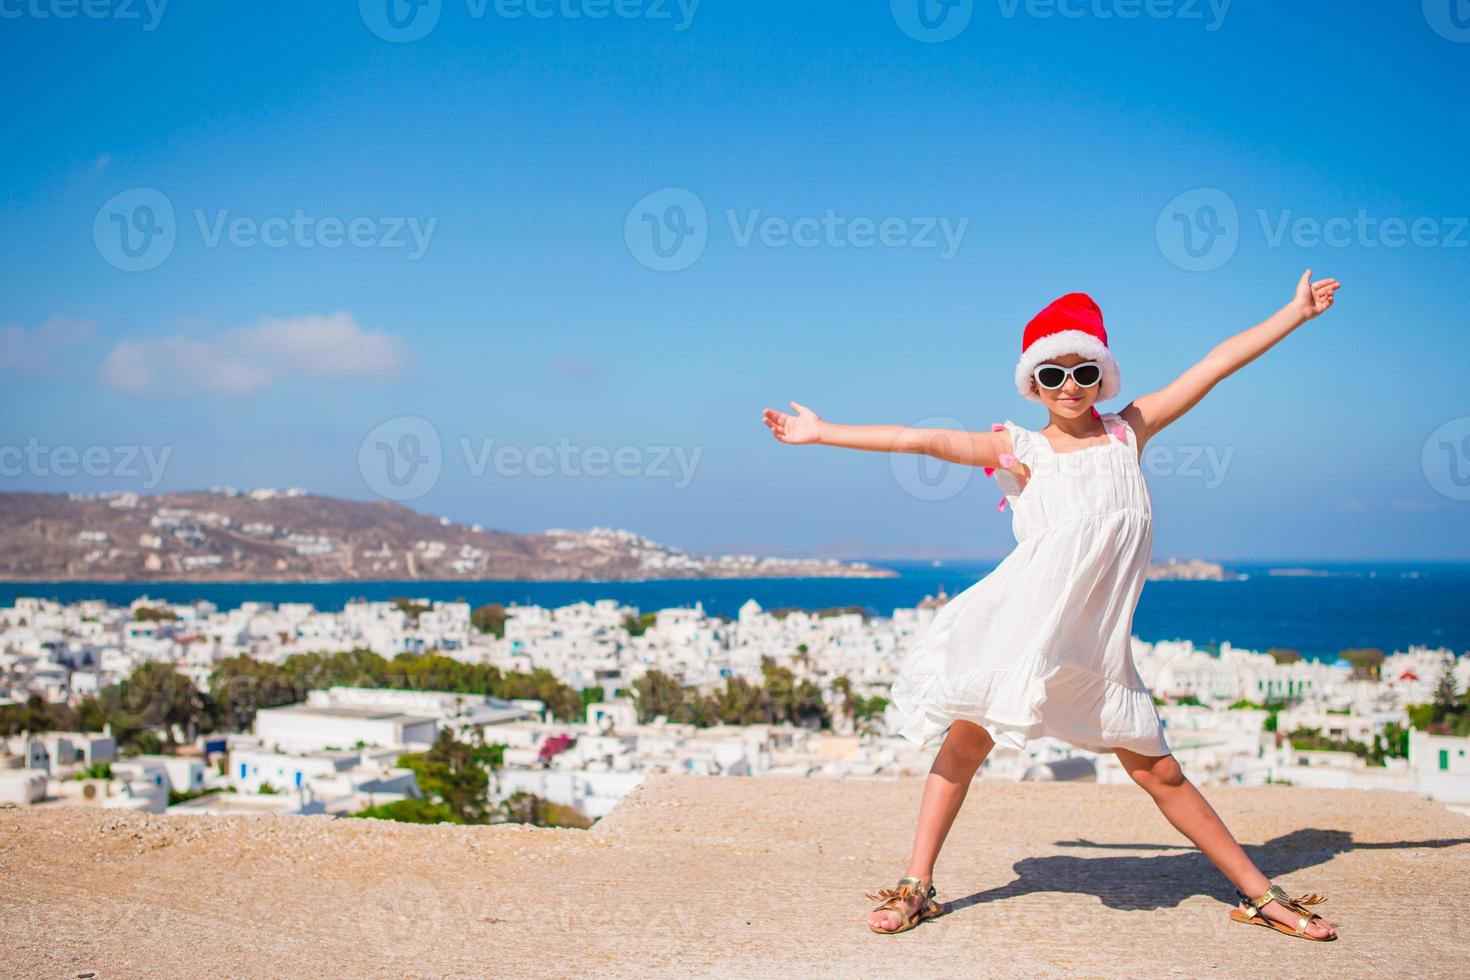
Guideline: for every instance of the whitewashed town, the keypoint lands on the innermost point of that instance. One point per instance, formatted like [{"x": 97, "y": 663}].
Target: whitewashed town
[{"x": 1233, "y": 716}]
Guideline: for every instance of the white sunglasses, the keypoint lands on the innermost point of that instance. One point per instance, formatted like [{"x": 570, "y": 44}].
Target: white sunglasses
[{"x": 1053, "y": 376}]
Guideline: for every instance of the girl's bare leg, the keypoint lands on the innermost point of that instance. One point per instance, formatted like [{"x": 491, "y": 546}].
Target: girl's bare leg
[
  {"x": 1191, "y": 814},
  {"x": 960, "y": 755}
]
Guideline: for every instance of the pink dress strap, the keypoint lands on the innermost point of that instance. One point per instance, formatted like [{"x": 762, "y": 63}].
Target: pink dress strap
[
  {"x": 1114, "y": 424},
  {"x": 1006, "y": 460}
]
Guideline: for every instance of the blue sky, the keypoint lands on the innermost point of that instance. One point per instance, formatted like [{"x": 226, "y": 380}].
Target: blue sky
[{"x": 333, "y": 234}]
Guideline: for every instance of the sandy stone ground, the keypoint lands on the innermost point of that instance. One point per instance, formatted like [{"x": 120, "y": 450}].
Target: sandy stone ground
[{"x": 715, "y": 876}]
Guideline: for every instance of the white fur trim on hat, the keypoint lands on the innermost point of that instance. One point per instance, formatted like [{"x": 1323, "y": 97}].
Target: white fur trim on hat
[{"x": 1068, "y": 342}]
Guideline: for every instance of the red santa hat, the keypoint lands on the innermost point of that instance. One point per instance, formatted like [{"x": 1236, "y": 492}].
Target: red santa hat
[{"x": 1072, "y": 324}]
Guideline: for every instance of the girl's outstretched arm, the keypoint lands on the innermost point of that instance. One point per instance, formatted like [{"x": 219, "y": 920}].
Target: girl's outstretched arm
[
  {"x": 1149, "y": 413},
  {"x": 953, "y": 445}
]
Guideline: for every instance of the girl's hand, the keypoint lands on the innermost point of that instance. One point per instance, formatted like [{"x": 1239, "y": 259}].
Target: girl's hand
[
  {"x": 1313, "y": 298},
  {"x": 795, "y": 430}
]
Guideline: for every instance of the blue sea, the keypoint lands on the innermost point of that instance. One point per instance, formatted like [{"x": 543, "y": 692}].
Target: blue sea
[{"x": 1337, "y": 606}]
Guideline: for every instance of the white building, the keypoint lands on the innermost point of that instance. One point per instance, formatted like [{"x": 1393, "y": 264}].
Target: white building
[
  {"x": 306, "y": 728},
  {"x": 1441, "y": 766}
]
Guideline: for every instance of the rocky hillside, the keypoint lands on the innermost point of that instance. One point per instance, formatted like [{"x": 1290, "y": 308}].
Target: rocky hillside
[{"x": 293, "y": 536}]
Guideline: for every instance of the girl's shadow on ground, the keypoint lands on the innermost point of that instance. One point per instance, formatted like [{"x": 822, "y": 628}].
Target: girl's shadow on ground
[{"x": 1133, "y": 882}]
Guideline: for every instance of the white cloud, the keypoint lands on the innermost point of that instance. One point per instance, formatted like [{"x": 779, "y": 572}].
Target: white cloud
[
  {"x": 250, "y": 359},
  {"x": 32, "y": 350}
]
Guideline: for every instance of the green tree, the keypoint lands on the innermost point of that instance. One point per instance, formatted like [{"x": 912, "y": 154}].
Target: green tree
[
  {"x": 409, "y": 607},
  {"x": 408, "y": 811},
  {"x": 490, "y": 618},
  {"x": 842, "y": 686},
  {"x": 96, "y": 770},
  {"x": 1445, "y": 697},
  {"x": 156, "y": 696},
  {"x": 797, "y": 702},
  {"x": 90, "y": 715},
  {"x": 869, "y": 710},
  {"x": 1395, "y": 741},
  {"x": 697, "y": 709},
  {"x": 656, "y": 693},
  {"x": 1367, "y": 662},
  {"x": 35, "y": 714},
  {"x": 639, "y": 625},
  {"x": 527, "y": 808},
  {"x": 1445, "y": 714},
  {"x": 242, "y": 685},
  {"x": 453, "y": 773},
  {"x": 741, "y": 703}
]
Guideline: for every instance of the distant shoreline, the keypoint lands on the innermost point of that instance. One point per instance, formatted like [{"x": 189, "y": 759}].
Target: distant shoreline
[
  {"x": 1388, "y": 605},
  {"x": 1297, "y": 568}
]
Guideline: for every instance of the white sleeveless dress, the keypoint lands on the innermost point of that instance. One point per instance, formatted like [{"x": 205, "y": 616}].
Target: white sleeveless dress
[{"x": 1040, "y": 645}]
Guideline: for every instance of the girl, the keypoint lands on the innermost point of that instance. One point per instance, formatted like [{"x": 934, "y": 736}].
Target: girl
[{"x": 1040, "y": 645}]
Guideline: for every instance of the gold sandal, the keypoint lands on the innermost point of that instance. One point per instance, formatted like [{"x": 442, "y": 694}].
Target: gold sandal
[
  {"x": 1299, "y": 906},
  {"x": 894, "y": 899}
]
